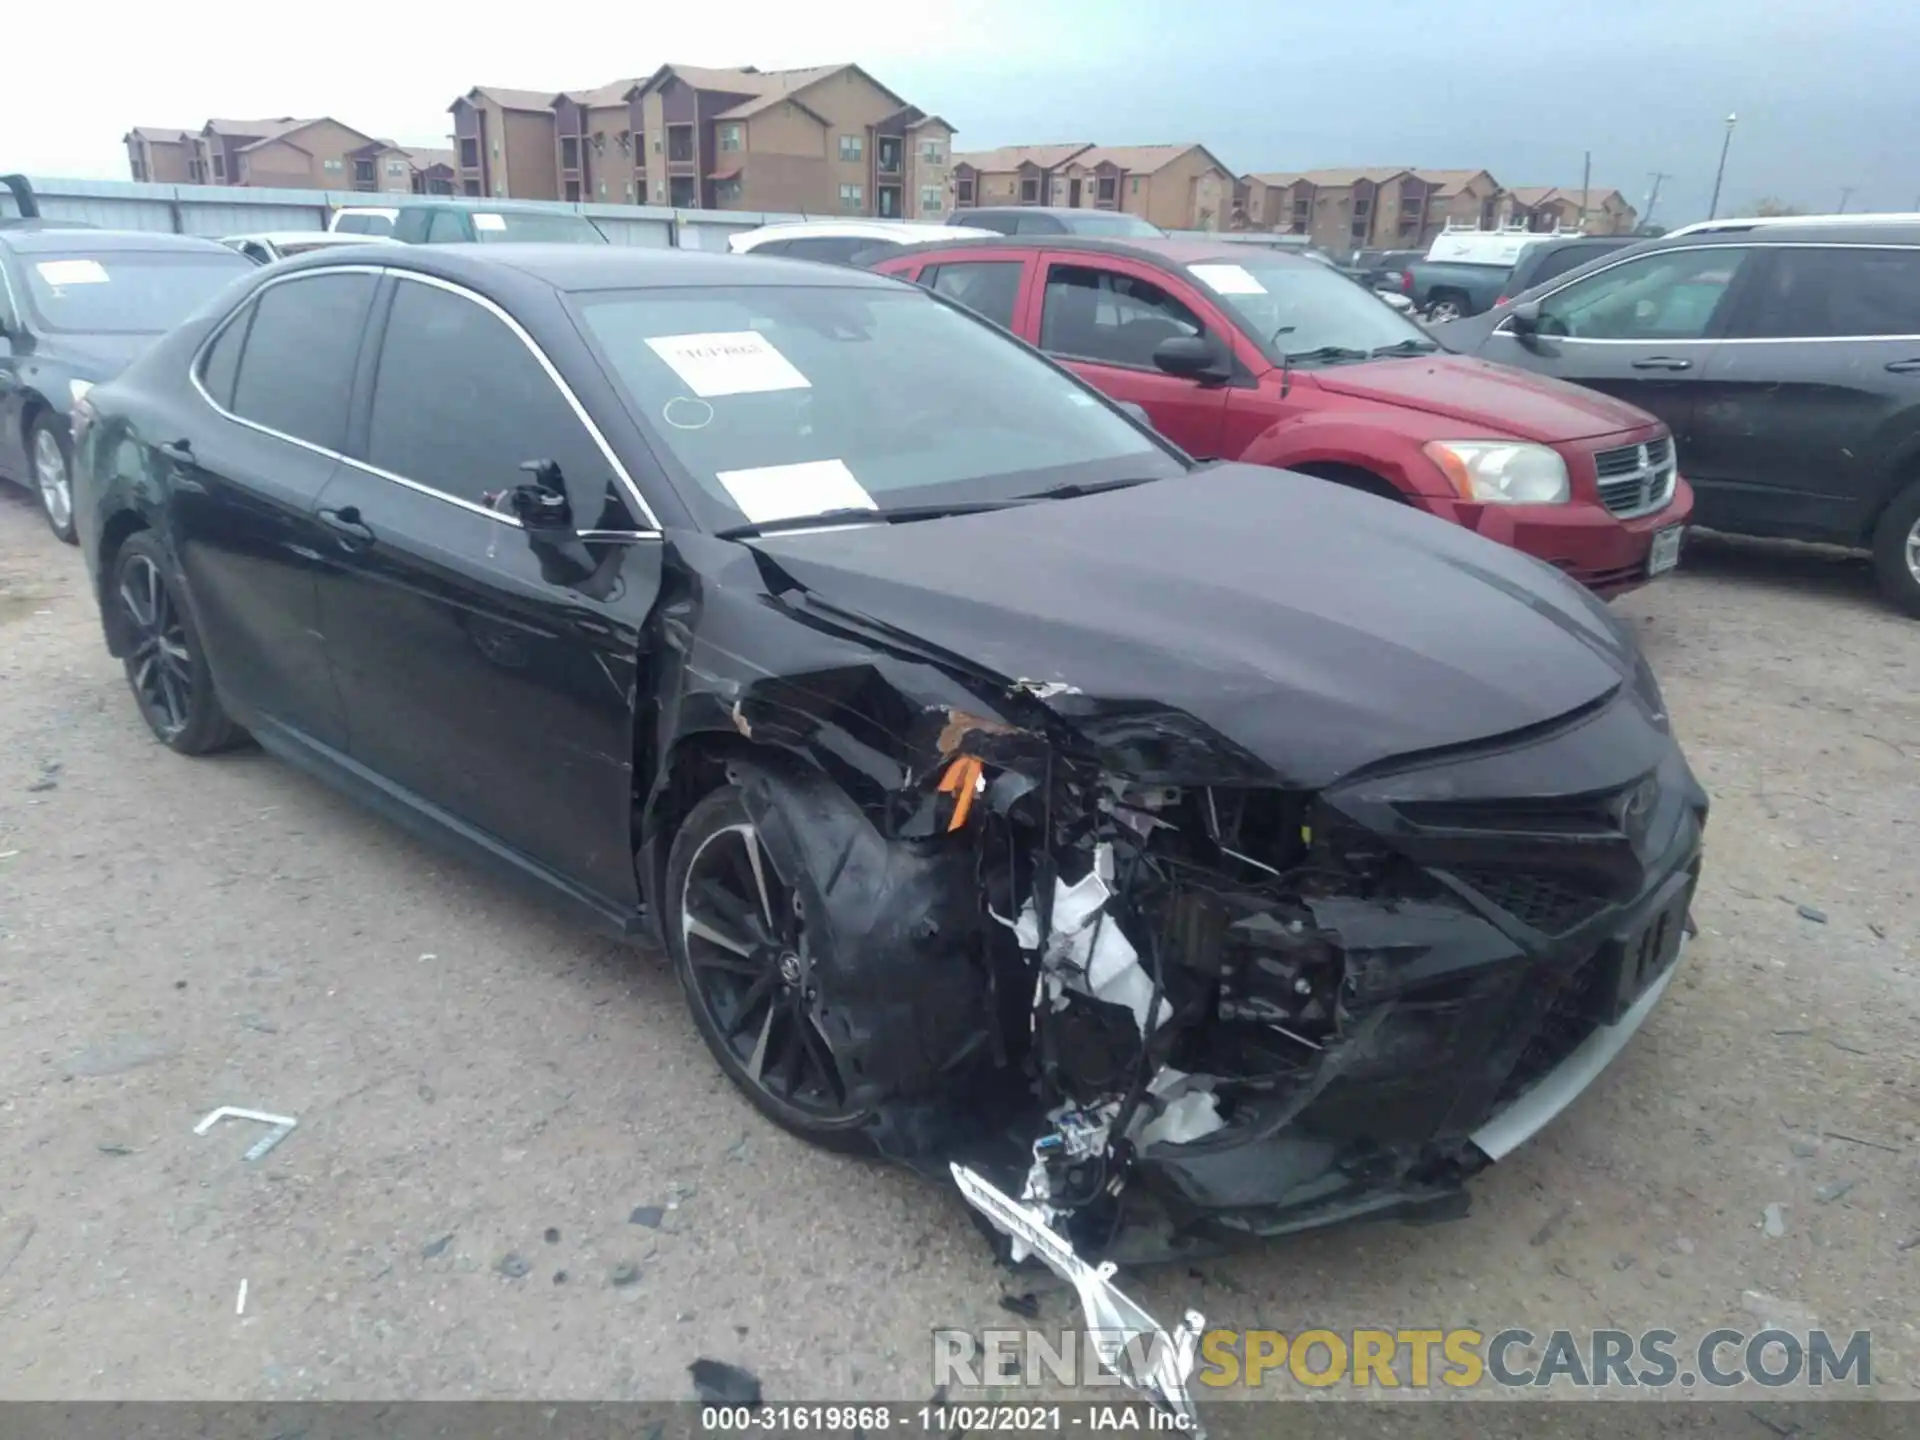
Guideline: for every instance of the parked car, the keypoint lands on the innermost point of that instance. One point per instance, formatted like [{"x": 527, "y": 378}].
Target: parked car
[
  {"x": 457, "y": 222},
  {"x": 843, "y": 242},
  {"x": 1051, "y": 220},
  {"x": 1360, "y": 277},
  {"x": 901, "y": 685},
  {"x": 1785, "y": 358},
  {"x": 1251, "y": 355},
  {"x": 264, "y": 249},
  {"x": 1540, "y": 263},
  {"x": 364, "y": 219},
  {"x": 77, "y": 303},
  {"x": 1381, "y": 268},
  {"x": 1465, "y": 272}
]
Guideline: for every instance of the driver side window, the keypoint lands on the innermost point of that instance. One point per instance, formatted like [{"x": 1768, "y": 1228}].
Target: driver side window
[
  {"x": 1117, "y": 319},
  {"x": 1674, "y": 295}
]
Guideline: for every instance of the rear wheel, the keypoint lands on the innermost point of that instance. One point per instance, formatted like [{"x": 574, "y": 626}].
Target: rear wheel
[
  {"x": 1896, "y": 550},
  {"x": 1445, "y": 307},
  {"x": 52, "y": 456},
  {"x": 165, "y": 663},
  {"x": 740, "y": 942}
]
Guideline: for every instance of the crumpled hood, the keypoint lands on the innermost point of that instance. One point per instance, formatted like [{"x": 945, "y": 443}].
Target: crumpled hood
[
  {"x": 1317, "y": 628},
  {"x": 1494, "y": 398}
]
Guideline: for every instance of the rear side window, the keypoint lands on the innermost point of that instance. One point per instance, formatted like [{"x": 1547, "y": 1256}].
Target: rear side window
[
  {"x": 1113, "y": 318},
  {"x": 828, "y": 249},
  {"x": 460, "y": 403},
  {"x": 770, "y": 247},
  {"x": 445, "y": 228},
  {"x": 1832, "y": 292},
  {"x": 222, "y": 361},
  {"x": 1670, "y": 295},
  {"x": 364, "y": 225},
  {"x": 1559, "y": 262},
  {"x": 296, "y": 371},
  {"x": 1038, "y": 225},
  {"x": 986, "y": 287}
]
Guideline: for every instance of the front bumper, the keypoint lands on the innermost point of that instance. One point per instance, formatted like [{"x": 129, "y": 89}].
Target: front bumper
[{"x": 1583, "y": 538}]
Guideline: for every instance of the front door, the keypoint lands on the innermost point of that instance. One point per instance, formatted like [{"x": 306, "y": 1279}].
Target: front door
[
  {"x": 481, "y": 675},
  {"x": 1103, "y": 317},
  {"x": 1073, "y": 192},
  {"x": 1645, "y": 330},
  {"x": 1813, "y": 399},
  {"x": 280, "y": 374}
]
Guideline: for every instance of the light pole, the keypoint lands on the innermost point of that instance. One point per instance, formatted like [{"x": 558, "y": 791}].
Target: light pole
[
  {"x": 1846, "y": 194},
  {"x": 1714, "y": 208}
]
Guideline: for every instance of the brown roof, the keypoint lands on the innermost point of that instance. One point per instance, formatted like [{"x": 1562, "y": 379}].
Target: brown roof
[
  {"x": 1450, "y": 182},
  {"x": 745, "y": 80},
  {"x": 1531, "y": 195},
  {"x": 1142, "y": 159},
  {"x": 422, "y": 158},
  {"x": 1277, "y": 179},
  {"x": 1012, "y": 157},
  {"x": 294, "y": 127},
  {"x": 777, "y": 85},
  {"x": 940, "y": 120},
  {"x": 613, "y": 93},
  {"x": 257, "y": 129},
  {"x": 508, "y": 99},
  {"x": 157, "y": 134},
  {"x": 1335, "y": 179}
]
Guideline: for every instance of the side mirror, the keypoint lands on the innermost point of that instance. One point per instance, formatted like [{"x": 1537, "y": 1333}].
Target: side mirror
[
  {"x": 1525, "y": 318},
  {"x": 1189, "y": 356}
]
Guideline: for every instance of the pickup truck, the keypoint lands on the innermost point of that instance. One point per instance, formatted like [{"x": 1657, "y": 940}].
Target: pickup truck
[{"x": 1444, "y": 290}]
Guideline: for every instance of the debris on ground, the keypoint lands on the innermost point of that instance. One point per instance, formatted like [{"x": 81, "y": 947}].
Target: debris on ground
[
  {"x": 39, "y": 787},
  {"x": 1547, "y": 1228},
  {"x": 559, "y": 1277},
  {"x": 625, "y": 1273},
  {"x": 647, "y": 1215},
  {"x": 240, "y": 1300},
  {"x": 283, "y": 1126},
  {"x": 1809, "y": 912},
  {"x": 1026, "y": 1305},
  {"x": 114, "y": 1149},
  {"x": 1804, "y": 1149},
  {"x": 1773, "y": 1220},
  {"x": 552, "y": 1236},
  {"x": 718, "y": 1383},
  {"x": 513, "y": 1266},
  {"x": 1832, "y": 1191},
  {"x": 434, "y": 1249}
]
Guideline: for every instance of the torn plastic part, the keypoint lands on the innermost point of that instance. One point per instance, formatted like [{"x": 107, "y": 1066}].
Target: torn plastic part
[
  {"x": 1045, "y": 689},
  {"x": 1186, "y": 1110},
  {"x": 1087, "y": 953},
  {"x": 1130, "y": 1342}
]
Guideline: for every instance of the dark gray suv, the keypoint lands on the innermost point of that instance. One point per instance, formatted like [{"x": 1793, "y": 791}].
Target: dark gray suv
[{"x": 1785, "y": 357}]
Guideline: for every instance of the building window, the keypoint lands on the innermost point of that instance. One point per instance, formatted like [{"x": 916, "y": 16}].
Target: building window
[
  {"x": 930, "y": 198},
  {"x": 625, "y": 141},
  {"x": 1104, "y": 189},
  {"x": 396, "y": 167},
  {"x": 139, "y": 169},
  {"x": 727, "y": 192},
  {"x": 731, "y": 136},
  {"x": 573, "y": 190},
  {"x": 470, "y": 154},
  {"x": 1134, "y": 187},
  {"x": 569, "y": 152},
  {"x": 363, "y": 172},
  {"x": 324, "y": 164},
  {"x": 852, "y": 147},
  {"x": 470, "y": 187},
  {"x": 852, "y": 197},
  {"x": 933, "y": 152},
  {"x": 1029, "y": 190},
  {"x": 629, "y": 190},
  {"x": 603, "y": 187},
  {"x": 219, "y": 166},
  {"x": 963, "y": 190}
]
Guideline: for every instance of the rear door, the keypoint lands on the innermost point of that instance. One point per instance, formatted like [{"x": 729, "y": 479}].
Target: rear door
[
  {"x": 992, "y": 285},
  {"x": 278, "y": 379},
  {"x": 480, "y": 676},
  {"x": 1643, "y": 330},
  {"x": 1103, "y": 317},
  {"x": 1812, "y": 404}
]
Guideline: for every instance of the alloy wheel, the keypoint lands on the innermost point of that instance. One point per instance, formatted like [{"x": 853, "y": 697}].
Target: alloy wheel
[
  {"x": 158, "y": 661},
  {"x": 50, "y": 472},
  {"x": 746, "y": 946},
  {"x": 1443, "y": 310}
]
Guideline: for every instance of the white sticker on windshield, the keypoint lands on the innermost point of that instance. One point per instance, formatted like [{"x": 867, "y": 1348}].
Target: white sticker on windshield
[
  {"x": 728, "y": 362},
  {"x": 483, "y": 221},
  {"x": 72, "y": 272},
  {"x": 1228, "y": 279},
  {"x": 775, "y": 492}
]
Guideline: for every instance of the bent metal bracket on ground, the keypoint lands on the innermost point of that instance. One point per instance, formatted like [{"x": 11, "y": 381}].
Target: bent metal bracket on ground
[{"x": 283, "y": 1127}]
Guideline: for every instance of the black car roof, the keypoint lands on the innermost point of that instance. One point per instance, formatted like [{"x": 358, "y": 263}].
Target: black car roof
[
  {"x": 1817, "y": 234},
  {"x": 40, "y": 241},
  {"x": 1168, "y": 254},
  {"x": 577, "y": 268}
]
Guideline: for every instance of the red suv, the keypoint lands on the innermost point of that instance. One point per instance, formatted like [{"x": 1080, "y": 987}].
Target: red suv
[{"x": 1237, "y": 352}]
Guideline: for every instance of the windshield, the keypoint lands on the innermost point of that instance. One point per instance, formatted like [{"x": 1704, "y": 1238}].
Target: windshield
[
  {"x": 1095, "y": 223},
  {"x": 126, "y": 292},
  {"x": 789, "y": 401},
  {"x": 492, "y": 227},
  {"x": 1311, "y": 313}
]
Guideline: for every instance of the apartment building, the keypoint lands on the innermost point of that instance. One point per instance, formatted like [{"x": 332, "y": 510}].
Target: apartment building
[
  {"x": 1566, "y": 207},
  {"x": 506, "y": 142},
  {"x": 157, "y": 154},
  {"x": 1177, "y": 187},
  {"x": 598, "y": 159},
  {"x": 1013, "y": 174}
]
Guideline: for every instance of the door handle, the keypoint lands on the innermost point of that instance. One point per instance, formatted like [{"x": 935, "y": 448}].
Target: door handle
[
  {"x": 346, "y": 524},
  {"x": 1662, "y": 362},
  {"x": 1904, "y": 367}
]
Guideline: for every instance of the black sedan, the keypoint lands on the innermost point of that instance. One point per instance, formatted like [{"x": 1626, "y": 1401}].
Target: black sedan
[
  {"x": 75, "y": 305},
  {"x": 1008, "y": 789},
  {"x": 1785, "y": 358}
]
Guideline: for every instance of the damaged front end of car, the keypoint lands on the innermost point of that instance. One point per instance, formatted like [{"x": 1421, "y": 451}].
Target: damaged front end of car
[{"x": 1144, "y": 989}]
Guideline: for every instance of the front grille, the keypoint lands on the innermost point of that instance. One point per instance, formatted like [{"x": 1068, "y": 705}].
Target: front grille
[
  {"x": 1636, "y": 479},
  {"x": 1568, "y": 1022},
  {"x": 1547, "y": 903}
]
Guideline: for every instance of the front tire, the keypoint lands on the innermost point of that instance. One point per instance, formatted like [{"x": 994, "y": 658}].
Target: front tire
[
  {"x": 740, "y": 946},
  {"x": 1896, "y": 550},
  {"x": 50, "y": 453},
  {"x": 165, "y": 662}
]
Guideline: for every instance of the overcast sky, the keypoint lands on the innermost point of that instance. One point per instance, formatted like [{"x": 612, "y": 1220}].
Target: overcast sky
[{"x": 1827, "y": 93}]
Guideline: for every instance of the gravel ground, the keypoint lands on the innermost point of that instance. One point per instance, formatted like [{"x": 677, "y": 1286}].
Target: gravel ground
[{"x": 517, "y": 1172}]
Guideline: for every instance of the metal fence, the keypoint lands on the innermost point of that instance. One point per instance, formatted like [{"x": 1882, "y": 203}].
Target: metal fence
[{"x": 217, "y": 210}]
